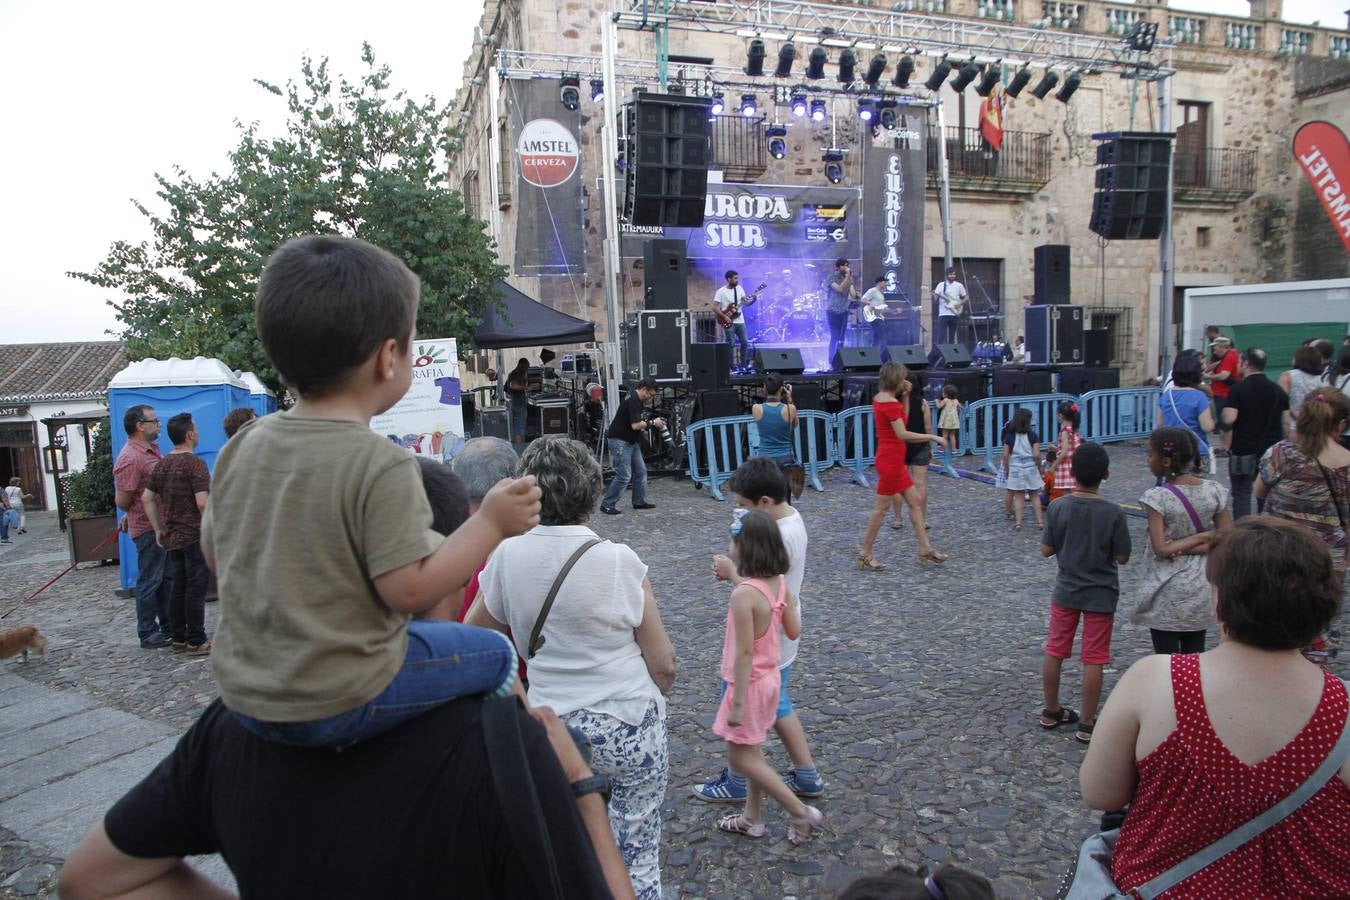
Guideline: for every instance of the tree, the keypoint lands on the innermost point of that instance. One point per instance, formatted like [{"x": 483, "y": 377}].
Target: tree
[{"x": 355, "y": 159}]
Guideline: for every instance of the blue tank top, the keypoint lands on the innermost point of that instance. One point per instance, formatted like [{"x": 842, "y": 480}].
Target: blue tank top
[{"x": 775, "y": 434}]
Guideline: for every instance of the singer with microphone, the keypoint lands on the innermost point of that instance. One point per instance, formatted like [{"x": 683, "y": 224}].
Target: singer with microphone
[{"x": 951, "y": 298}]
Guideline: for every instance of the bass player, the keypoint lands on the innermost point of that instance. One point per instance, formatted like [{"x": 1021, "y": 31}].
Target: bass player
[
  {"x": 874, "y": 311},
  {"x": 951, "y": 299},
  {"x": 729, "y": 304}
]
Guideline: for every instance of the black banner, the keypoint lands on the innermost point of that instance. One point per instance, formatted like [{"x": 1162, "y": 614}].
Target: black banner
[
  {"x": 894, "y": 185},
  {"x": 550, "y": 208}
]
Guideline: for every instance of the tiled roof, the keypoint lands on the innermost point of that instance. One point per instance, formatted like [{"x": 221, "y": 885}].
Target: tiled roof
[{"x": 35, "y": 373}]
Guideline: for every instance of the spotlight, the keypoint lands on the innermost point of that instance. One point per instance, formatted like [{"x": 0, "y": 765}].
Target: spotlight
[
  {"x": 1045, "y": 85},
  {"x": 777, "y": 135},
  {"x": 818, "y": 111},
  {"x": 570, "y": 92},
  {"x": 965, "y": 77},
  {"x": 1070, "y": 85},
  {"x": 875, "y": 69},
  {"x": 1019, "y": 81},
  {"x": 834, "y": 165},
  {"x": 719, "y": 104},
  {"x": 749, "y": 105},
  {"x": 798, "y": 102},
  {"x": 815, "y": 64},
  {"x": 903, "y": 70},
  {"x": 754, "y": 59},
  {"x": 867, "y": 109},
  {"x": 986, "y": 85},
  {"x": 597, "y": 91},
  {"x": 1141, "y": 36},
  {"x": 940, "y": 73},
  {"x": 846, "y": 63},
  {"x": 887, "y": 115},
  {"x": 786, "y": 54}
]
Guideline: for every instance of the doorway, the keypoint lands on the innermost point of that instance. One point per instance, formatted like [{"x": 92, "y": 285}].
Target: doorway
[{"x": 19, "y": 458}]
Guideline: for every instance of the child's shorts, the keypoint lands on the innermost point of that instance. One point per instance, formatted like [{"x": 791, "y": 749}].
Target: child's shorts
[
  {"x": 1096, "y": 647},
  {"x": 784, "y": 698}
]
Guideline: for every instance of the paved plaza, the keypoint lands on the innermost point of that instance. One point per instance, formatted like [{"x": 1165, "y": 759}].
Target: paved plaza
[{"x": 919, "y": 688}]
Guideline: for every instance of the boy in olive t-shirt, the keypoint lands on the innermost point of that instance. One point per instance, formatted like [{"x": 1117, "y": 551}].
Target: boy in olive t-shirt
[{"x": 319, "y": 529}]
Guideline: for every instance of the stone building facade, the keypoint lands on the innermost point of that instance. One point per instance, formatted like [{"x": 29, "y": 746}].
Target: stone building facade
[{"x": 1243, "y": 212}]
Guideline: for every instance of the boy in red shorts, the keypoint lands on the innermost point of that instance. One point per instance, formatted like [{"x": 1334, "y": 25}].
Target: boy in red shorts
[{"x": 1088, "y": 537}]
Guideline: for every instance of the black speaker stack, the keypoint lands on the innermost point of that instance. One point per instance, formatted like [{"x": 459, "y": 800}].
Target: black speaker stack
[
  {"x": 1096, "y": 347},
  {"x": 1051, "y": 274},
  {"x": 710, "y": 366},
  {"x": 1015, "y": 381},
  {"x": 1081, "y": 379},
  {"x": 666, "y": 157},
  {"x": 911, "y": 356},
  {"x": 783, "y": 360},
  {"x": 1132, "y": 172},
  {"x": 949, "y": 356},
  {"x": 856, "y": 359},
  {"x": 665, "y": 274}
]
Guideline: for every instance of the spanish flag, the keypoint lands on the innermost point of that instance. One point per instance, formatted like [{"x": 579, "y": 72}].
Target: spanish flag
[{"x": 991, "y": 120}]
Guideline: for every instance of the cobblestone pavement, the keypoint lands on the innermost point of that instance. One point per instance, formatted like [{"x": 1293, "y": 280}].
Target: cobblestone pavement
[{"x": 918, "y": 687}]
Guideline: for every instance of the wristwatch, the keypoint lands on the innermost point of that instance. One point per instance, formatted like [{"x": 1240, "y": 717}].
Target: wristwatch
[{"x": 596, "y": 784}]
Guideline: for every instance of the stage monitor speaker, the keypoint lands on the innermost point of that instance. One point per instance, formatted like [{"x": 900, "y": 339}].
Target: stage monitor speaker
[
  {"x": 1052, "y": 273},
  {"x": 717, "y": 404},
  {"x": 495, "y": 422},
  {"x": 911, "y": 356},
  {"x": 1096, "y": 347},
  {"x": 949, "y": 356},
  {"x": 1080, "y": 379},
  {"x": 666, "y": 156},
  {"x": 665, "y": 274},
  {"x": 1132, "y": 179},
  {"x": 710, "y": 366},
  {"x": 856, "y": 359},
  {"x": 783, "y": 360}
]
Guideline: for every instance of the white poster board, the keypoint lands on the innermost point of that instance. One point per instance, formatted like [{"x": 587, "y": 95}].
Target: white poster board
[{"x": 429, "y": 420}]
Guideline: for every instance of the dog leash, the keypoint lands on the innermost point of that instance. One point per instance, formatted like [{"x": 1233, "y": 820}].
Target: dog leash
[{"x": 61, "y": 575}]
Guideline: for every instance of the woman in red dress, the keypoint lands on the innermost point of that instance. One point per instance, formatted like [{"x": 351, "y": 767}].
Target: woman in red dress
[{"x": 888, "y": 413}]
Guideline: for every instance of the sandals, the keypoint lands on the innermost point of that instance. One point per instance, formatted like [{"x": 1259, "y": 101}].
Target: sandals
[
  {"x": 867, "y": 561},
  {"x": 1084, "y": 733},
  {"x": 739, "y": 824},
  {"x": 1064, "y": 716},
  {"x": 802, "y": 830},
  {"x": 934, "y": 555}
]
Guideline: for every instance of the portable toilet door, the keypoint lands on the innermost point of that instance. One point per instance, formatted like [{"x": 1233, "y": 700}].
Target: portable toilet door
[
  {"x": 261, "y": 400},
  {"x": 206, "y": 388}
]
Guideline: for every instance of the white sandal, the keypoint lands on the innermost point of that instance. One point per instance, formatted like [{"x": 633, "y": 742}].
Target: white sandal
[
  {"x": 739, "y": 824},
  {"x": 803, "y": 830}
]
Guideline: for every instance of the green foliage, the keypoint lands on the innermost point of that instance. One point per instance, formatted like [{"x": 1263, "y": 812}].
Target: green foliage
[
  {"x": 90, "y": 491},
  {"x": 356, "y": 159}
]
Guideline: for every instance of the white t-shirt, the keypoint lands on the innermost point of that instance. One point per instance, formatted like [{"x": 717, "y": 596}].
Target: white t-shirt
[
  {"x": 726, "y": 296},
  {"x": 946, "y": 293},
  {"x": 793, "y": 530},
  {"x": 875, "y": 299},
  {"x": 14, "y": 495},
  {"x": 1019, "y": 353},
  {"x": 590, "y": 658}
]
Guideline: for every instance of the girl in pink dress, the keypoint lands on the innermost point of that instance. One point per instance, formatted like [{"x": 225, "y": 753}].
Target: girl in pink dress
[{"x": 760, "y": 604}]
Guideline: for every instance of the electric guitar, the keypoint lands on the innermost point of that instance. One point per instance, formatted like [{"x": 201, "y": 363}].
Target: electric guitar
[
  {"x": 725, "y": 317},
  {"x": 870, "y": 313}
]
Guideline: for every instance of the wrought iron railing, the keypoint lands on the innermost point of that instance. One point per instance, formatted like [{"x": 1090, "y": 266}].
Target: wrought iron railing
[
  {"x": 1025, "y": 156},
  {"x": 1215, "y": 168},
  {"x": 739, "y": 147}
]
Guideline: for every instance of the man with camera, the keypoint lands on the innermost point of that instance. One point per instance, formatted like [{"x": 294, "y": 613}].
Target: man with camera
[{"x": 625, "y": 449}]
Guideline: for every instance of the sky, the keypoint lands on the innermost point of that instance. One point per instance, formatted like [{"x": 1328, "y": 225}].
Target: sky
[{"x": 102, "y": 96}]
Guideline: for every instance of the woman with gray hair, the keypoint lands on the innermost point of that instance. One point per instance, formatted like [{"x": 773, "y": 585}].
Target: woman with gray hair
[{"x": 598, "y": 654}]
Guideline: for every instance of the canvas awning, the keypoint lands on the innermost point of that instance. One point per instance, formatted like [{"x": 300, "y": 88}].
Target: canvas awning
[{"x": 528, "y": 323}]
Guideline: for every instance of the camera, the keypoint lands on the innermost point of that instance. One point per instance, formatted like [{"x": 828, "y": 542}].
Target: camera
[{"x": 661, "y": 431}]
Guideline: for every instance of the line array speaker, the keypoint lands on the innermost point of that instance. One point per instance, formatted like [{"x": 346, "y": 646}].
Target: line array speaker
[
  {"x": 666, "y": 154},
  {"x": 1131, "y": 198}
]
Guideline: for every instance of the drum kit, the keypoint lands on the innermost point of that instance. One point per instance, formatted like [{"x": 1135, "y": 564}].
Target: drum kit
[{"x": 792, "y": 310}]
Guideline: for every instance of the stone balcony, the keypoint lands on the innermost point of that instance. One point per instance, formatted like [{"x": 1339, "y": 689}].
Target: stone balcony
[
  {"x": 1018, "y": 170},
  {"x": 1213, "y": 176}
]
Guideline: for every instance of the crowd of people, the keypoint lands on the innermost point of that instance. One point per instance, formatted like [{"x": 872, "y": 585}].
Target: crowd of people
[{"x": 457, "y": 638}]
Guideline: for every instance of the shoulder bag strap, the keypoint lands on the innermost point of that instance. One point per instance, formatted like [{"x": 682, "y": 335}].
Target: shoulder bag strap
[
  {"x": 1262, "y": 823},
  {"x": 515, "y": 788},
  {"x": 536, "y": 637},
  {"x": 1185, "y": 501}
]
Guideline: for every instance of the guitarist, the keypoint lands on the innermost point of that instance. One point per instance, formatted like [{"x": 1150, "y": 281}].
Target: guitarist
[
  {"x": 874, "y": 311},
  {"x": 951, "y": 298},
  {"x": 729, "y": 303}
]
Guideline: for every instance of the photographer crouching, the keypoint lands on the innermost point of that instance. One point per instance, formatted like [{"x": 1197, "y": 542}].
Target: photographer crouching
[{"x": 625, "y": 449}]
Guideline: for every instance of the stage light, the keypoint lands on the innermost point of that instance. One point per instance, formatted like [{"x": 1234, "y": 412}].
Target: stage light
[
  {"x": 887, "y": 114},
  {"x": 799, "y": 102},
  {"x": 777, "y": 135},
  {"x": 786, "y": 54},
  {"x": 903, "y": 70},
  {"x": 867, "y": 109},
  {"x": 1019, "y": 81},
  {"x": 597, "y": 91},
  {"x": 754, "y": 59},
  {"x": 570, "y": 92},
  {"x": 1070, "y": 85},
  {"x": 719, "y": 105},
  {"x": 815, "y": 64},
  {"x": 1141, "y": 36},
  {"x": 749, "y": 105},
  {"x": 986, "y": 85},
  {"x": 846, "y": 63},
  {"x": 963, "y": 78},
  {"x": 834, "y": 165},
  {"x": 875, "y": 69},
  {"x": 818, "y": 111},
  {"x": 940, "y": 73},
  {"x": 1045, "y": 85}
]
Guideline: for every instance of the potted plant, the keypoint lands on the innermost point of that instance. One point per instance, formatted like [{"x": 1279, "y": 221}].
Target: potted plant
[{"x": 89, "y": 495}]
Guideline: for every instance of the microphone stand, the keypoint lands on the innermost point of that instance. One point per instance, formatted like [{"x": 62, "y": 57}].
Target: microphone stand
[{"x": 988, "y": 307}]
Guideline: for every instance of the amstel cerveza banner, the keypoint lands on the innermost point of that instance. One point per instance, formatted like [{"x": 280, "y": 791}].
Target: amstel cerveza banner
[{"x": 550, "y": 208}]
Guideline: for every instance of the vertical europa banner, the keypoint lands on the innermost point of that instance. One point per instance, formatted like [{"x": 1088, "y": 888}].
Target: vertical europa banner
[
  {"x": 550, "y": 208},
  {"x": 1324, "y": 156},
  {"x": 894, "y": 182}
]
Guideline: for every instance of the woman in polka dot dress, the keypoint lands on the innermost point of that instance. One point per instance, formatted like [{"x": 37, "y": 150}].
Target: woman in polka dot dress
[{"x": 1200, "y": 744}]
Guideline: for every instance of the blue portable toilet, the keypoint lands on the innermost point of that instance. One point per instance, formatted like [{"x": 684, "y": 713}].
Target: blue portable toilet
[
  {"x": 261, "y": 400},
  {"x": 204, "y": 387}
]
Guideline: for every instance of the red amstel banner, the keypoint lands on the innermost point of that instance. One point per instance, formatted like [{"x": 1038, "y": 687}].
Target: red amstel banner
[{"x": 1324, "y": 156}]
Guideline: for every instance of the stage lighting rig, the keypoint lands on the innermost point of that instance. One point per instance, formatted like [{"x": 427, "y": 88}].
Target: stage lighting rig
[
  {"x": 719, "y": 103},
  {"x": 597, "y": 90},
  {"x": 819, "y": 111},
  {"x": 903, "y": 71},
  {"x": 1141, "y": 36},
  {"x": 886, "y": 114},
  {"x": 786, "y": 54},
  {"x": 570, "y": 92},
  {"x": 754, "y": 59},
  {"x": 875, "y": 69},
  {"x": 777, "y": 135},
  {"x": 815, "y": 64},
  {"x": 799, "y": 102},
  {"x": 963, "y": 78},
  {"x": 834, "y": 164},
  {"x": 847, "y": 62},
  {"x": 749, "y": 105},
  {"x": 1070, "y": 85},
  {"x": 867, "y": 110},
  {"x": 1045, "y": 85},
  {"x": 1019, "y": 81},
  {"x": 940, "y": 73},
  {"x": 988, "y": 80}
]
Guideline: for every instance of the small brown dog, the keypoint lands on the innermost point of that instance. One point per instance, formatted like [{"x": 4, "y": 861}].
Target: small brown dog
[{"x": 21, "y": 640}]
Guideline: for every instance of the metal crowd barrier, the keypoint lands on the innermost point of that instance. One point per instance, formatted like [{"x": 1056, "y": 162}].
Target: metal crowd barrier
[
  {"x": 1119, "y": 414},
  {"x": 716, "y": 447},
  {"x": 855, "y": 441},
  {"x": 983, "y": 421},
  {"x": 814, "y": 441}
]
